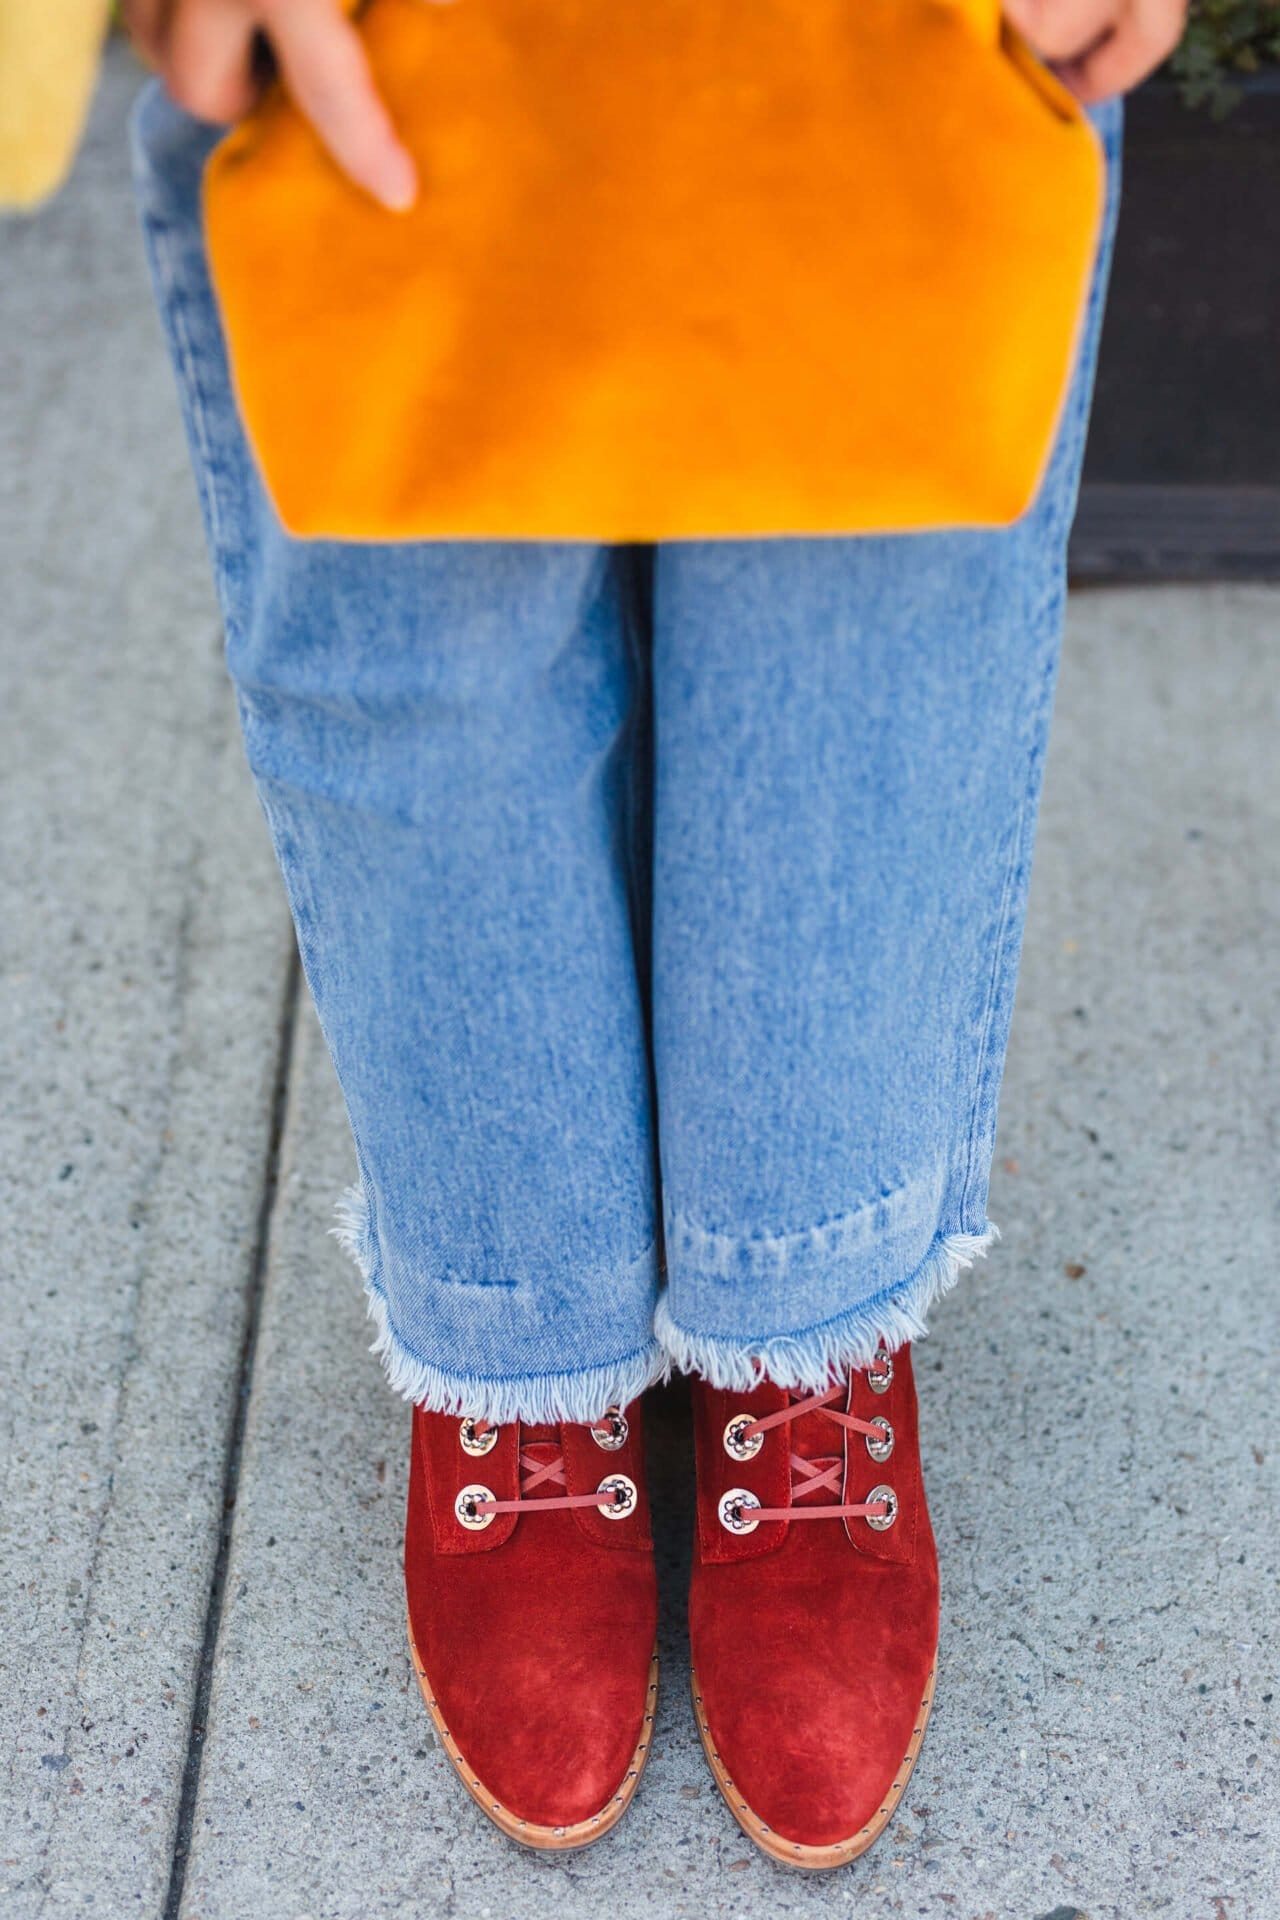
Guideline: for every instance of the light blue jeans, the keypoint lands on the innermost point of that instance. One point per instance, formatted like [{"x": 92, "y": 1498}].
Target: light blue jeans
[{"x": 662, "y": 907}]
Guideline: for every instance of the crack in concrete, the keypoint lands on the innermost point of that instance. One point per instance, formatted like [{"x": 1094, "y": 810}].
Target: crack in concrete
[{"x": 184, "y": 1823}]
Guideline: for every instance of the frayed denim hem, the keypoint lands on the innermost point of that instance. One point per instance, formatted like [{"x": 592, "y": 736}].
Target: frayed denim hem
[
  {"x": 542, "y": 1399},
  {"x": 818, "y": 1356},
  {"x": 579, "y": 1395}
]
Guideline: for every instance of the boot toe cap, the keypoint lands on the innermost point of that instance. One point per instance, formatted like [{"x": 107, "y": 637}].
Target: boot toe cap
[
  {"x": 559, "y": 1756},
  {"x": 820, "y": 1765}
]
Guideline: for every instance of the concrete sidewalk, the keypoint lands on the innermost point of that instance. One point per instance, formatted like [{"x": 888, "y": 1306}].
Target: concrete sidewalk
[{"x": 208, "y": 1711}]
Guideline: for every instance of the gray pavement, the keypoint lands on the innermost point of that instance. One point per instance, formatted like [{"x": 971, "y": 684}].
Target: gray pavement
[{"x": 207, "y": 1709}]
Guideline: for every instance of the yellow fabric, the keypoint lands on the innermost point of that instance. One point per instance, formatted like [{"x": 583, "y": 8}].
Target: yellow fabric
[
  {"x": 48, "y": 62},
  {"x": 677, "y": 268}
]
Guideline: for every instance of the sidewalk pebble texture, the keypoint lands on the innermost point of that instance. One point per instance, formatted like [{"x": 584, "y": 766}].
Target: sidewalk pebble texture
[{"x": 207, "y": 1710}]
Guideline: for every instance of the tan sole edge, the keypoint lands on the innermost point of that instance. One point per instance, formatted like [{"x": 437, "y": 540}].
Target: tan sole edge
[
  {"x": 790, "y": 1852},
  {"x": 529, "y": 1834}
]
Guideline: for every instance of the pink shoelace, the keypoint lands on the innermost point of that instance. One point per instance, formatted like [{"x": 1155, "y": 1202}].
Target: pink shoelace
[
  {"x": 806, "y": 1478},
  {"x": 539, "y": 1473}
]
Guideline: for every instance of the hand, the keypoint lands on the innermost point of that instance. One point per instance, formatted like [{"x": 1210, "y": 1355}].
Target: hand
[
  {"x": 204, "y": 51},
  {"x": 1099, "y": 47}
]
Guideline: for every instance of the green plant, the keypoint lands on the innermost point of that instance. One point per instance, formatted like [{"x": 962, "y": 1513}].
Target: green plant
[{"x": 1225, "y": 37}]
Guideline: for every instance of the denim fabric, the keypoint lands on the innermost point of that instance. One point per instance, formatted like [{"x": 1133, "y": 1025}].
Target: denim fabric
[{"x": 696, "y": 872}]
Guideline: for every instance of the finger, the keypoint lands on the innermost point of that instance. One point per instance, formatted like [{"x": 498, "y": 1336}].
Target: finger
[
  {"x": 144, "y": 22},
  {"x": 1146, "y": 37},
  {"x": 327, "y": 72},
  {"x": 207, "y": 59},
  {"x": 1061, "y": 30}
]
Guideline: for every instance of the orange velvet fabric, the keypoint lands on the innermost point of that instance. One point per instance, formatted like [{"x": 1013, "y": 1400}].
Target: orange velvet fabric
[{"x": 677, "y": 268}]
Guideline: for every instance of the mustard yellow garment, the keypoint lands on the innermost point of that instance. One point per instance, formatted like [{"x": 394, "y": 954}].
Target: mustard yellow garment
[
  {"x": 48, "y": 62},
  {"x": 677, "y": 268}
]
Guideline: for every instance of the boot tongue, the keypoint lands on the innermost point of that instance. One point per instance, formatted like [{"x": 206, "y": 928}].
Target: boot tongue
[
  {"x": 540, "y": 1447},
  {"x": 813, "y": 1436}
]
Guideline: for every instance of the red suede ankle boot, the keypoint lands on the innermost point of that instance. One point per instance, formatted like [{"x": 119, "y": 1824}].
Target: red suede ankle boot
[
  {"x": 813, "y": 1613},
  {"x": 532, "y": 1616}
]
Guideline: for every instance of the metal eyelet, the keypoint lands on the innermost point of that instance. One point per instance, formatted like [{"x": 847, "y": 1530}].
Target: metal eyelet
[
  {"x": 618, "y": 1496},
  {"x": 464, "y": 1509},
  {"x": 880, "y": 1449},
  {"x": 734, "y": 1507},
  {"x": 477, "y": 1444},
  {"x": 880, "y": 1372},
  {"x": 881, "y": 1522},
  {"x": 612, "y": 1431},
  {"x": 734, "y": 1445}
]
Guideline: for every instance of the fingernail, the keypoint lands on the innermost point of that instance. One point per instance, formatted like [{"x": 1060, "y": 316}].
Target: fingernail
[{"x": 398, "y": 183}]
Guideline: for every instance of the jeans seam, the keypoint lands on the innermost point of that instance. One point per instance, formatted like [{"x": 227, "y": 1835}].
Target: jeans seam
[
  {"x": 524, "y": 1287},
  {"x": 828, "y": 1223},
  {"x": 1073, "y": 429},
  {"x": 160, "y": 247},
  {"x": 988, "y": 1013}
]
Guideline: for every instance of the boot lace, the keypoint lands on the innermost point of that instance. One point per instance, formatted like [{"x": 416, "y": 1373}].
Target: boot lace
[
  {"x": 615, "y": 1497},
  {"x": 739, "y": 1511}
]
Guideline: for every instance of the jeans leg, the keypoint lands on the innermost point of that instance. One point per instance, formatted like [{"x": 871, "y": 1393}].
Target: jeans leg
[
  {"x": 850, "y": 736},
  {"x": 441, "y": 739}
]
